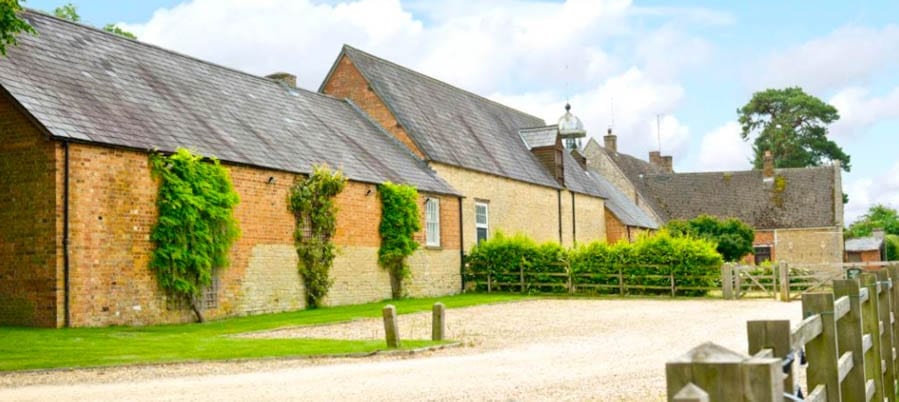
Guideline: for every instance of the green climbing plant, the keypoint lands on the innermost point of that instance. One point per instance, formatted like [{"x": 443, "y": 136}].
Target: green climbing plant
[
  {"x": 196, "y": 226},
  {"x": 399, "y": 223},
  {"x": 311, "y": 201}
]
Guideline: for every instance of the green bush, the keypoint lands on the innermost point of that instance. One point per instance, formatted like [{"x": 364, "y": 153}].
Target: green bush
[
  {"x": 399, "y": 222},
  {"x": 733, "y": 238},
  {"x": 645, "y": 265},
  {"x": 892, "y": 247}
]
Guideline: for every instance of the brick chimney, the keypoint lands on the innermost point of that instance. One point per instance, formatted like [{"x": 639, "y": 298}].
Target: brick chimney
[
  {"x": 655, "y": 158},
  {"x": 668, "y": 164},
  {"x": 768, "y": 166},
  {"x": 611, "y": 141},
  {"x": 286, "y": 78}
]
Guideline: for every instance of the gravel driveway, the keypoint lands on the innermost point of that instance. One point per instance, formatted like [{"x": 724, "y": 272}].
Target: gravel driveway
[{"x": 607, "y": 350}]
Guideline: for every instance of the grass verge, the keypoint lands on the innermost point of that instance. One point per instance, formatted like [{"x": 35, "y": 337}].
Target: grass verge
[{"x": 39, "y": 348}]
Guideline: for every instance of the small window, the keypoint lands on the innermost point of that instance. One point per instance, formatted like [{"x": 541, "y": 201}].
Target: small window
[
  {"x": 481, "y": 219},
  {"x": 432, "y": 222},
  {"x": 762, "y": 254}
]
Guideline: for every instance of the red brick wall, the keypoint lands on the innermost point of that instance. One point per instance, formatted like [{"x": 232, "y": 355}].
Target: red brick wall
[
  {"x": 346, "y": 82},
  {"x": 30, "y": 267},
  {"x": 615, "y": 230}
]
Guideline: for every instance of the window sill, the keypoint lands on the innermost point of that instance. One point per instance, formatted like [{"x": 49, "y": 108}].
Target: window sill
[{"x": 436, "y": 248}]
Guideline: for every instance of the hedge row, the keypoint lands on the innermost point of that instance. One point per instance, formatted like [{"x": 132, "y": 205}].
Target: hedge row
[{"x": 548, "y": 267}]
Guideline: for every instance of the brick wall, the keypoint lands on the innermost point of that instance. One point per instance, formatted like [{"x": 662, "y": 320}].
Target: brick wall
[
  {"x": 615, "y": 230},
  {"x": 30, "y": 267},
  {"x": 113, "y": 212},
  {"x": 347, "y": 82}
]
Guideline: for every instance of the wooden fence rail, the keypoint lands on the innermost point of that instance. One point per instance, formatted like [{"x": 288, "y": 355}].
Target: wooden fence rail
[{"x": 848, "y": 335}]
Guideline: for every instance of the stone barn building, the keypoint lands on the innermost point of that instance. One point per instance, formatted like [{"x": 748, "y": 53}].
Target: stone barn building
[
  {"x": 81, "y": 108},
  {"x": 512, "y": 168}
]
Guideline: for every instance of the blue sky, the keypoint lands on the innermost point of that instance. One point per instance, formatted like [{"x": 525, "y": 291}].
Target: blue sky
[{"x": 620, "y": 63}]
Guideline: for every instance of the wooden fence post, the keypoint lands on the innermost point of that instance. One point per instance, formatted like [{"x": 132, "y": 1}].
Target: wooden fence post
[
  {"x": 784, "y": 279},
  {"x": 849, "y": 339},
  {"x": 893, "y": 271},
  {"x": 438, "y": 322},
  {"x": 691, "y": 393},
  {"x": 521, "y": 276},
  {"x": 620, "y": 281},
  {"x": 871, "y": 323},
  {"x": 727, "y": 281},
  {"x": 671, "y": 279},
  {"x": 738, "y": 284},
  {"x": 725, "y": 375},
  {"x": 821, "y": 352},
  {"x": 774, "y": 335},
  {"x": 885, "y": 305},
  {"x": 391, "y": 329}
]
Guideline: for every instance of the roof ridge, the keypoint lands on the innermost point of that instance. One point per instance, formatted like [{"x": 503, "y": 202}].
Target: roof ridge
[
  {"x": 166, "y": 50},
  {"x": 440, "y": 82}
]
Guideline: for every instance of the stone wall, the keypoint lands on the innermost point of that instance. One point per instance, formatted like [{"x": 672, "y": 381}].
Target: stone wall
[
  {"x": 809, "y": 246},
  {"x": 30, "y": 266},
  {"x": 598, "y": 161},
  {"x": 590, "y": 219}
]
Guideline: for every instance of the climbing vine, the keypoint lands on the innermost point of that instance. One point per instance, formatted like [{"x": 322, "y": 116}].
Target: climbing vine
[
  {"x": 312, "y": 203},
  {"x": 196, "y": 226},
  {"x": 780, "y": 186},
  {"x": 399, "y": 222}
]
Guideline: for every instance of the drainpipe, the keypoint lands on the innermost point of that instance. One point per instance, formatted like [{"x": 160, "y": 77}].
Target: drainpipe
[
  {"x": 573, "y": 223},
  {"x": 559, "y": 199},
  {"x": 461, "y": 247},
  {"x": 65, "y": 237}
]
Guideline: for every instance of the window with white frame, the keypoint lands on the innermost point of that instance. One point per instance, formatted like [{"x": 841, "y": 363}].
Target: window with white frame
[
  {"x": 432, "y": 222},
  {"x": 481, "y": 219}
]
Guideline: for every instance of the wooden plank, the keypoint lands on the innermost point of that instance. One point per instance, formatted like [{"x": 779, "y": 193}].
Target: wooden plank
[
  {"x": 871, "y": 325},
  {"x": 773, "y": 335},
  {"x": 691, "y": 393},
  {"x": 818, "y": 395},
  {"x": 844, "y": 365},
  {"x": 840, "y": 307},
  {"x": 863, "y": 295},
  {"x": 893, "y": 272},
  {"x": 867, "y": 342},
  {"x": 762, "y": 380},
  {"x": 821, "y": 351},
  {"x": 850, "y": 339},
  {"x": 807, "y": 330},
  {"x": 784, "y": 279},
  {"x": 886, "y": 344},
  {"x": 727, "y": 281},
  {"x": 869, "y": 390}
]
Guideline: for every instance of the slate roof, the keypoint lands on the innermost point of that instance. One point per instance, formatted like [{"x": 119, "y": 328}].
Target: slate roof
[
  {"x": 453, "y": 126},
  {"x": 795, "y": 198},
  {"x": 622, "y": 206},
  {"x": 537, "y": 137},
  {"x": 863, "y": 244},
  {"x": 87, "y": 85}
]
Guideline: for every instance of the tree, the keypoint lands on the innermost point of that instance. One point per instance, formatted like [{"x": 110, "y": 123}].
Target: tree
[
  {"x": 733, "y": 237},
  {"x": 878, "y": 217},
  {"x": 793, "y": 126},
  {"x": 70, "y": 12},
  {"x": 11, "y": 25}
]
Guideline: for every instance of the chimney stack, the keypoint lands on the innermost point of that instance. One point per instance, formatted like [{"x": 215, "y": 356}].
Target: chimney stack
[
  {"x": 286, "y": 78},
  {"x": 655, "y": 158},
  {"x": 611, "y": 141},
  {"x": 768, "y": 167},
  {"x": 668, "y": 164}
]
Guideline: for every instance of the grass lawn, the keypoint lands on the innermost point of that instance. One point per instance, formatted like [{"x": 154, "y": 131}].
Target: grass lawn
[{"x": 38, "y": 348}]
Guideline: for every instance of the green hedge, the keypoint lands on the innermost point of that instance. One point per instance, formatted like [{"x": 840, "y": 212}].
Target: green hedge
[{"x": 594, "y": 268}]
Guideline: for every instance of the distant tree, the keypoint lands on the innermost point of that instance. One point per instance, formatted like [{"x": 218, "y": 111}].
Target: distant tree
[
  {"x": 11, "y": 25},
  {"x": 878, "y": 217},
  {"x": 733, "y": 237},
  {"x": 793, "y": 126},
  {"x": 70, "y": 12}
]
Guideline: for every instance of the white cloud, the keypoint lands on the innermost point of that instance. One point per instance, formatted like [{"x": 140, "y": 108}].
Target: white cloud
[
  {"x": 849, "y": 55},
  {"x": 858, "y": 110},
  {"x": 867, "y": 191},
  {"x": 722, "y": 149}
]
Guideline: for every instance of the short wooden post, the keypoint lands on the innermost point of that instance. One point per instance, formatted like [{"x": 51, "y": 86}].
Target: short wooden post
[
  {"x": 620, "y": 281},
  {"x": 391, "y": 328},
  {"x": 521, "y": 276},
  {"x": 784, "y": 279},
  {"x": 671, "y": 279},
  {"x": 885, "y": 303},
  {"x": 821, "y": 351},
  {"x": 774, "y": 335},
  {"x": 725, "y": 375},
  {"x": 727, "y": 281},
  {"x": 871, "y": 324},
  {"x": 849, "y": 339},
  {"x": 738, "y": 284},
  {"x": 438, "y": 322},
  {"x": 489, "y": 283},
  {"x": 691, "y": 393}
]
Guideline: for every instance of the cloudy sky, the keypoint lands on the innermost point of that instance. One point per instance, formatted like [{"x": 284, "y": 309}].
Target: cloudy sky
[{"x": 627, "y": 65}]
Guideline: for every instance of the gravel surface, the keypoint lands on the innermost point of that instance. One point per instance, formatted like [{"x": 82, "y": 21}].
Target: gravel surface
[{"x": 606, "y": 350}]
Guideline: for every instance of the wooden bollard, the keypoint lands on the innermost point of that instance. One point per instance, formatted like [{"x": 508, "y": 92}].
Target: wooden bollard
[
  {"x": 391, "y": 329},
  {"x": 438, "y": 322}
]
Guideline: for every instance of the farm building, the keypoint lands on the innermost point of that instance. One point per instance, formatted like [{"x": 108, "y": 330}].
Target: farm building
[
  {"x": 866, "y": 249},
  {"x": 79, "y": 111},
  {"x": 797, "y": 213},
  {"x": 515, "y": 173}
]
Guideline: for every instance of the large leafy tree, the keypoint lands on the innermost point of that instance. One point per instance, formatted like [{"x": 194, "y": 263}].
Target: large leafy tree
[
  {"x": 793, "y": 126},
  {"x": 10, "y": 24},
  {"x": 878, "y": 217},
  {"x": 733, "y": 237},
  {"x": 70, "y": 12}
]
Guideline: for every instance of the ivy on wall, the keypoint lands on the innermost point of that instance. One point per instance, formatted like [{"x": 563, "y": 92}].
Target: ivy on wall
[
  {"x": 196, "y": 226},
  {"x": 311, "y": 202},
  {"x": 399, "y": 222}
]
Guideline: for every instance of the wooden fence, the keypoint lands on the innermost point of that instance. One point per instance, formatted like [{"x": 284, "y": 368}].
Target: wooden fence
[
  {"x": 848, "y": 335},
  {"x": 624, "y": 280}
]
